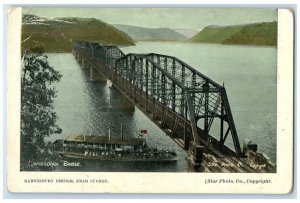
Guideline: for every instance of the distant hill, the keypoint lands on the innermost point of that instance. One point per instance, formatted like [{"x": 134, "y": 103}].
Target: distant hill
[
  {"x": 187, "y": 32},
  {"x": 258, "y": 34},
  {"x": 215, "y": 34},
  {"x": 151, "y": 34},
  {"x": 57, "y": 33},
  {"x": 252, "y": 34}
]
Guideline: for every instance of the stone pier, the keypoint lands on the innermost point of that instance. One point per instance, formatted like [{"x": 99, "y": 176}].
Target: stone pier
[{"x": 95, "y": 75}]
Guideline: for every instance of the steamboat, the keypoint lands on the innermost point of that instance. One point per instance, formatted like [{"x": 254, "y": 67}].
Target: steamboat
[{"x": 107, "y": 148}]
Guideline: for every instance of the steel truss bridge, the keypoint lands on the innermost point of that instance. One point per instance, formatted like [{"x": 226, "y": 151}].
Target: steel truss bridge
[{"x": 180, "y": 100}]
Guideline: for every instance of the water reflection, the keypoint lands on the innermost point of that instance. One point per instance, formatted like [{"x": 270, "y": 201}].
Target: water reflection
[
  {"x": 87, "y": 107},
  {"x": 249, "y": 74}
]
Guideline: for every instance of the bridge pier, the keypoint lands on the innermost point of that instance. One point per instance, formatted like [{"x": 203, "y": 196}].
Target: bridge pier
[
  {"x": 96, "y": 76},
  {"x": 151, "y": 82},
  {"x": 77, "y": 57},
  {"x": 74, "y": 53},
  {"x": 194, "y": 159},
  {"x": 125, "y": 104},
  {"x": 84, "y": 64}
]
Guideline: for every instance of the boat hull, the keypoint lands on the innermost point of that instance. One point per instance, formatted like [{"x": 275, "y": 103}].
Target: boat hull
[{"x": 116, "y": 158}]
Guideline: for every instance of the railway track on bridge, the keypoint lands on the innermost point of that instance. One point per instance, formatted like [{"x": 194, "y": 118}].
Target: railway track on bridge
[{"x": 181, "y": 101}]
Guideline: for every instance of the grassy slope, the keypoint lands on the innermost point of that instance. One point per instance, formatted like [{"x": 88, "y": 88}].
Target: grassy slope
[
  {"x": 58, "y": 36},
  {"x": 252, "y": 34},
  {"x": 257, "y": 34},
  {"x": 215, "y": 34}
]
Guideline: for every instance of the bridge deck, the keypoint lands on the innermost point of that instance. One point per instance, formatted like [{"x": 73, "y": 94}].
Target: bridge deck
[
  {"x": 218, "y": 158},
  {"x": 215, "y": 156}
]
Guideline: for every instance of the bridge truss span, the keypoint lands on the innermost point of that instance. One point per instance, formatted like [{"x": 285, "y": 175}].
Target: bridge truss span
[
  {"x": 209, "y": 99},
  {"x": 179, "y": 99}
]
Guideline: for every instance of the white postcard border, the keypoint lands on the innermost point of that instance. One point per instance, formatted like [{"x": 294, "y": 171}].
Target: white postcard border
[{"x": 282, "y": 181}]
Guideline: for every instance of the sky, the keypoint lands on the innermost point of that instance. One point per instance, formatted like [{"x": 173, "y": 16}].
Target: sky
[{"x": 176, "y": 18}]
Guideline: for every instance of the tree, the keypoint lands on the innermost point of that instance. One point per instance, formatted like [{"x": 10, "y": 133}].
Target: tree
[{"x": 38, "y": 118}]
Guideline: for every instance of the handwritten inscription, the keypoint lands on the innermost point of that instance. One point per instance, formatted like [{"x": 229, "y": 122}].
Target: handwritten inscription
[
  {"x": 239, "y": 165},
  {"x": 71, "y": 164},
  {"x": 54, "y": 164},
  {"x": 258, "y": 166}
]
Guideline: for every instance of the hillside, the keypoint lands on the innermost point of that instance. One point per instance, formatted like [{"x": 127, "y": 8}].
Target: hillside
[
  {"x": 256, "y": 34},
  {"x": 151, "y": 34},
  {"x": 251, "y": 34},
  {"x": 57, "y": 33},
  {"x": 215, "y": 34},
  {"x": 187, "y": 32}
]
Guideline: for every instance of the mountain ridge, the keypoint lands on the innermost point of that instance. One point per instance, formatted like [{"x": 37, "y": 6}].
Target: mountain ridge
[
  {"x": 139, "y": 33},
  {"x": 58, "y": 33},
  {"x": 264, "y": 33}
]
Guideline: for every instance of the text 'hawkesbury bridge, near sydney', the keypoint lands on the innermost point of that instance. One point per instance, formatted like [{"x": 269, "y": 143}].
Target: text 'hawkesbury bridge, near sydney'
[{"x": 181, "y": 101}]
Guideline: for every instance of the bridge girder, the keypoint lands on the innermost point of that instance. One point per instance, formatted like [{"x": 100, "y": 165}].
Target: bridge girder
[{"x": 174, "y": 84}]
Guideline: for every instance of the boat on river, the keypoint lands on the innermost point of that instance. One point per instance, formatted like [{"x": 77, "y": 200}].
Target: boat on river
[{"x": 107, "y": 148}]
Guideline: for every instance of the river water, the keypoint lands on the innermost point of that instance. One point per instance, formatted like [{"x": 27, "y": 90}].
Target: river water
[{"x": 248, "y": 73}]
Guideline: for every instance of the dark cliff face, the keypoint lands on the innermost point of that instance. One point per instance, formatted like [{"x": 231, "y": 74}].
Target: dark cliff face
[
  {"x": 252, "y": 34},
  {"x": 58, "y": 33}
]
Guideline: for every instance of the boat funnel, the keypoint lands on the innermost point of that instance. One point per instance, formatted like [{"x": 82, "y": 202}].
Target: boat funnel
[{"x": 122, "y": 138}]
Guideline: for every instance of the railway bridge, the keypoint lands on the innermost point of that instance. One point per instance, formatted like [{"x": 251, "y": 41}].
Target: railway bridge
[{"x": 180, "y": 100}]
